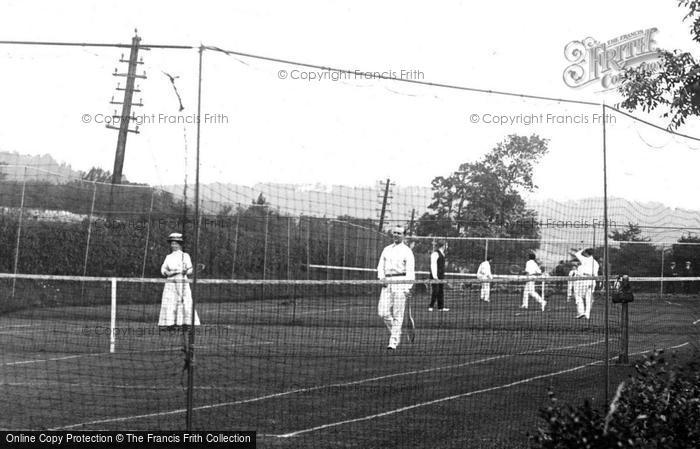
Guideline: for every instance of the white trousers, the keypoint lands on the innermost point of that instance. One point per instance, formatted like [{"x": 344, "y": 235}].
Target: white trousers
[
  {"x": 583, "y": 291},
  {"x": 485, "y": 291},
  {"x": 392, "y": 302},
  {"x": 530, "y": 291}
]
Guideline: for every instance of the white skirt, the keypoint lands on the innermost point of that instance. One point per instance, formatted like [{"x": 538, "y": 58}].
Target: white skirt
[{"x": 176, "y": 306}]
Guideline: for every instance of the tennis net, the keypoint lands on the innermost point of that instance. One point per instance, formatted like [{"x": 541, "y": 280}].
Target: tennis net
[{"x": 289, "y": 355}]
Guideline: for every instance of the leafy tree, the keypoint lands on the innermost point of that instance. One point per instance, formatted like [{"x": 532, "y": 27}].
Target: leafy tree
[
  {"x": 261, "y": 200},
  {"x": 675, "y": 86},
  {"x": 634, "y": 256},
  {"x": 483, "y": 199},
  {"x": 98, "y": 174},
  {"x": 683, "y": 252},
  {"x": 632, "y": 234}
]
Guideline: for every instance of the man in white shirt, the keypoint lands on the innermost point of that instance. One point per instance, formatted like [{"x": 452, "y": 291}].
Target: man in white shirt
[
  {"x": 396, "y": 262},
  {"x": 437, "y": 271},
  {"x": 484, "y": 272},
  {"x": 583, "y": 290},
  {"x": 532, "y": 269}
]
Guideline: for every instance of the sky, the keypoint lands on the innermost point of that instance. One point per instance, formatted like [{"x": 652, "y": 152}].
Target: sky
[{"x": 266, "y": 121}]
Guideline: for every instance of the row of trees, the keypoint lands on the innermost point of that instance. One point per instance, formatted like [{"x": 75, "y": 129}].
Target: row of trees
[
  {"x": 637, "y": 256},
  {"x": 128, "y": 229},
  {"x": 130, "y": 224}
]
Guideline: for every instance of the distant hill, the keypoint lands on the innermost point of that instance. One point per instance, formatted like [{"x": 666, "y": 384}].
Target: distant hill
[
  {"x": 578, "y": 221},
  {"x": 571, "y": 220},
  {"x": 38, "y": 168}
]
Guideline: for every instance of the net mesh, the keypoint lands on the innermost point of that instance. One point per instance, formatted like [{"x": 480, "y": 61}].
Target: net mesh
[
  {"x": 293, "y": 354},
  {"x": 291, "y": 343}
]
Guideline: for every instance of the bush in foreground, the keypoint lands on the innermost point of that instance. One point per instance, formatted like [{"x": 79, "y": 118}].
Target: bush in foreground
[{"x": 658, "y": 407}]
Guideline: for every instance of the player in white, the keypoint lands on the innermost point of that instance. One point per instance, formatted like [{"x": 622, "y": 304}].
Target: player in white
[
  {"x": 570, "y": 284},
  {"x": 396, "y": 262},
  {"x": 484, "y": 272},
  {"x": 176, "y": 307},
  {"x": 583, "y": 290},
  {"x": 532, "y": 269}
]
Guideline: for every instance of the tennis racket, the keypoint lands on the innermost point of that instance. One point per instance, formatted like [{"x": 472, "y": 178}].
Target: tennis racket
[
  {"x": 411, "y": 324},
  {"x": 515, "y": 269}
]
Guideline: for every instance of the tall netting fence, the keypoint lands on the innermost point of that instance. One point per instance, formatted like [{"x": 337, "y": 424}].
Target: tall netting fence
[
  {"x": 653, "y": 229},
  {"x": 291, "y": 343}
]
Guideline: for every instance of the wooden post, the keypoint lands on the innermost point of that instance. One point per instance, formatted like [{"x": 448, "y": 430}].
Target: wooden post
[
  {"x": 308, "y": 250},
  {"x": 148, "y": 235},
  {"x": 383, "y": 211},
  {"x": 289, "y": 247},
  {"x": 661, "y": 289},
  {"x": 235, "y": 246},
  {"x": 19, "y": 230},
  {"x": 345, "y": 244},
  {"x": 89, "y": 235},
  {"x": 126, "y": 110},
  {"x": 267, "y": 224},
  {"x": 624, "y": 335},
  {"x": 113, "y": 317}
]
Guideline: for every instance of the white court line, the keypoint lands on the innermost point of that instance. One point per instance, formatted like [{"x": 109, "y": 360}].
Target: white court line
[
  {"x": 319, "y": 387},
  {"x": 449, "y": 398},
  {"x": 176, "y": 348},
  {"x": 696, "y": 321},
  {"x": 24, "y": 362},
  {"x": 322, "y": 311},
  {"x": 672, "y": 303},
  {"x": 236, "y": 345},
  {"x": 17, "y": 331},
  {"x": 141, "y": 387},
  {"x": 16, "y": 325},
  {"x": 335, "y": 310}
]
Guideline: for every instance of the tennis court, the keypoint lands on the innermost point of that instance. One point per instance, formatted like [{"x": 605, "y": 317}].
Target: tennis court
[{"x": 306, "y": 365}]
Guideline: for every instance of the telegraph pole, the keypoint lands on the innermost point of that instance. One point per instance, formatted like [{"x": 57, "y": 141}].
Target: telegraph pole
[
  {"x": 125, "y": 117},
  {"x": 382, "y": 214}
]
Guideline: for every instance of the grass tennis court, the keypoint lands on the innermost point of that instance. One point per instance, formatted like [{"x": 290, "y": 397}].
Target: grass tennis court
[{"x": 312, "y": 370}]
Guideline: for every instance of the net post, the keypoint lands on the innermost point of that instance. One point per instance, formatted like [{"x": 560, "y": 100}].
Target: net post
[
  {"x": 19, "y": 230},
  {"x": 345, "y": 243},
  {"x": 235, "y": 246},
  {"x": 148, "y": 235},
  {"x": 624, "y": 335},
  {"x": 607, "y": 262},
  {"x": 289, "y": 247},
  {"x": 113, "y": 317},
  {"x": 289, "y": 261},
  {"x": 89, "y": 233},
  {"x": 661, "y": 288},
  {"x": 308, "y": 249},
  {"x": 189, "y": 352},
  {"x": 329, "y": 224},
  {"x": 357, "y": 247},
  {"x": 264, "y": 273},
  {"x": 543, "y": 298}
]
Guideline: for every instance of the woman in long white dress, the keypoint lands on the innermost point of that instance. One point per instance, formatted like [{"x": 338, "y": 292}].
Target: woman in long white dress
[{"x": 176, "y": 306}]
